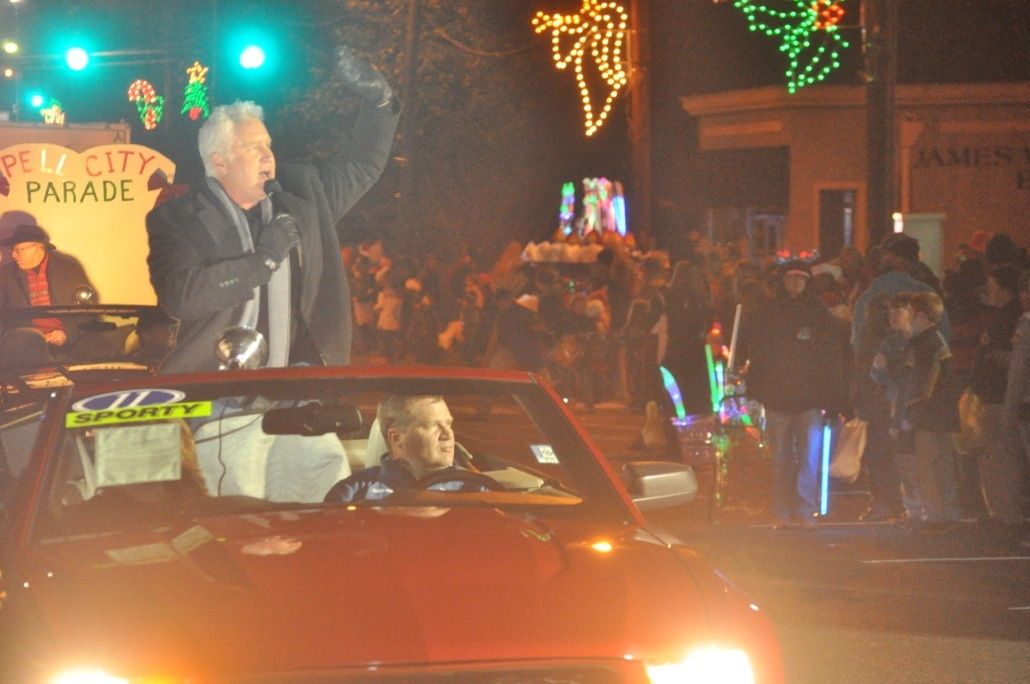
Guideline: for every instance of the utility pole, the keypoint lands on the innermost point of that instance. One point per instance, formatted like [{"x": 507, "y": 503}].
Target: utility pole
[
  {"x": 407, "y": 124},
  {"x": 639, "y": 193},
  {"x": 880, "y": 49}
]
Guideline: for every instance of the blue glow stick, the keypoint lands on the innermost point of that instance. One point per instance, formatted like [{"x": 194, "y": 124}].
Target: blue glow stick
[
  {"x": 619, "y": 208},
  {"x": 824, "y": 504}
]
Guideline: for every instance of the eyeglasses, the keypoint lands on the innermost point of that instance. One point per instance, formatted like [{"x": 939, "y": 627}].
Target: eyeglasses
[{"x": 26, "y": 248}]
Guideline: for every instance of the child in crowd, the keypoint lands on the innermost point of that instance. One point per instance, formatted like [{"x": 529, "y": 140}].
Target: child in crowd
[
  {"x": 890, "y": 371},
  {"x": 932, "y": 410}
]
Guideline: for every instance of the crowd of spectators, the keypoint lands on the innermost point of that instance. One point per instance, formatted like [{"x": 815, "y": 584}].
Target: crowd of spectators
[{"x": 874, "y": 335}]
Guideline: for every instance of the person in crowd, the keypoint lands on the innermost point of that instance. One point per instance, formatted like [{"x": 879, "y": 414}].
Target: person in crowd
[
  {"x": 873, "y": 405},
  {"x": 932, "y": 410},
  {"x": 39, "y": 275},
  {"x": 519, "y": 339},
  {"x": 688, "y": 305},
  {"x": 1002, "y": 250},
  {"x": 154, "y": 338},
  {"x": 238, "y": 251},
  {"x": 999, "y": 463},
  {"x": 827, "y": 285},
  {"x": 362, "y": 282},
  {"x": 419, "y": 435},
  {"x": 389, "y": 303},
  {"x": 964, "y": 291},
  {"x": 899, "y": 256},
  {"x": 644, "y": 336},
  {"x": 891, "y": 372},
  {"x": 852, "y": 265},
  {"x": 791, "y": 350},
  {"x": 1017, "y": 391}
]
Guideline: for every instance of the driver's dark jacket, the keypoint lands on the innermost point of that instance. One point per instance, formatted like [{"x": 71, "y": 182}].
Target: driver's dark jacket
[{"x": 378, "y": 482}]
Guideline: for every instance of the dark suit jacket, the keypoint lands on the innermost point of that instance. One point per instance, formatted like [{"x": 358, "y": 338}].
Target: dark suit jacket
[{"x": 203, "y": 277}]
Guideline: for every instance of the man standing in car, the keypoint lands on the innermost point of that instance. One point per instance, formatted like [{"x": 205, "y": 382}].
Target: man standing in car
[{"x": 238, "y": 250}]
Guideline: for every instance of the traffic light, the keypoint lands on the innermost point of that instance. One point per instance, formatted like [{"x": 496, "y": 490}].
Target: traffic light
[
  {"x": 252, "y": 57},
  {"x": 37, "y": 100},
  {"x": 76, "y": 58}
]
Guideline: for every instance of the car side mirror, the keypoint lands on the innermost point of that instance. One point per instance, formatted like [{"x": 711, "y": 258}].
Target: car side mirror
[{"x": 659, "y": 484}]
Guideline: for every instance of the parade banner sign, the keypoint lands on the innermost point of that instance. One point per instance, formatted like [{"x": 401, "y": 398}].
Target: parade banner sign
[{"x": 93, "y": 204}]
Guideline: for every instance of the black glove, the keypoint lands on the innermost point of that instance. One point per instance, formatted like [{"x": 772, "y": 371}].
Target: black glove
[
  {"x": 361, "y": 78},
  {"x": 278, "y": 237}
]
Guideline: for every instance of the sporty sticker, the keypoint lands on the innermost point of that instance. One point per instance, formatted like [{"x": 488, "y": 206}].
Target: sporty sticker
[
  {"x": 136, "y": 414},
  {"x": 130, "y": 398}
]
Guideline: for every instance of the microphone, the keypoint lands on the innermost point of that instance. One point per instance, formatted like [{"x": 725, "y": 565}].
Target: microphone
[
  {"x": 271, "y": 188},
  {"x": 272, "y": 185}
]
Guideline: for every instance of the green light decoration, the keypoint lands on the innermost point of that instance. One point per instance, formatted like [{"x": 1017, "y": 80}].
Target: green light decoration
[
  {"x": 195, "y": 102},
  {"x": 808, "y": 31}
]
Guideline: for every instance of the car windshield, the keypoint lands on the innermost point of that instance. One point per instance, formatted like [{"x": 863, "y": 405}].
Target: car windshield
[{"x": 152, "y": 455}]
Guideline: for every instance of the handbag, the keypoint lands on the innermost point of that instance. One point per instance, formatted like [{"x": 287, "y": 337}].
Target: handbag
[
  {"x": 970, "y": 437},
  {"x": 846, "y": 460}
]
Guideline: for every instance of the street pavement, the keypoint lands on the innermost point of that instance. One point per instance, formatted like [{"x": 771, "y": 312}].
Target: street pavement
[{"x": 854, "y": 602}]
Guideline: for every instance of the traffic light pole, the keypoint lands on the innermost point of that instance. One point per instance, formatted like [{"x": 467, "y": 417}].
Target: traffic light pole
[
  {"x": 640, "y": 124},
  {"x": 879, "y": 46}
]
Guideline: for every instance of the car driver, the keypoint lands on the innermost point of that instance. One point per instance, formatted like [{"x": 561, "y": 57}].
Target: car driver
[{"x": 419, "y": 436}]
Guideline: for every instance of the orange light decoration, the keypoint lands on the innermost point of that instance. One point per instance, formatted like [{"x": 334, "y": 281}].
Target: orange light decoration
[
  {"x": 828, "y": 14},
  {"x": 601, "y": 25},
  {"x": 53, "y": 115}
]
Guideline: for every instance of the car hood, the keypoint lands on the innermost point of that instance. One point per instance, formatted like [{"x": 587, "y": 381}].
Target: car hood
[{"x": 317, "y": 589}]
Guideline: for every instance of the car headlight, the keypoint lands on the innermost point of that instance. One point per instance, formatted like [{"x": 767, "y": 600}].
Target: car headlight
[
  {"x": 86, "y": 677},
  {"x": 707, "y": 664},
  {"x": 95, "y": 676}
]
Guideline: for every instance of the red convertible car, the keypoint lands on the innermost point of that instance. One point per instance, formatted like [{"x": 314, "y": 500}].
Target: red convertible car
[{"x": 176, "y": 529}]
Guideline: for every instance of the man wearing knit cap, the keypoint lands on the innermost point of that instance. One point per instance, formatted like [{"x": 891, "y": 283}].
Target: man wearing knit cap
[
  {"x": 792, "y": 348},
  {"x": 39, "y": 275},
  {"x": 900, "y": 260}
]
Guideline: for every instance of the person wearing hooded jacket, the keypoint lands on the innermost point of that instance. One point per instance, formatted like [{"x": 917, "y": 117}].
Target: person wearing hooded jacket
[{"x": 793, "y": 356}]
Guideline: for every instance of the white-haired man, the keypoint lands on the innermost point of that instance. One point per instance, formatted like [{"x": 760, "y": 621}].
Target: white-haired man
[{"x": 227, "y": 253}]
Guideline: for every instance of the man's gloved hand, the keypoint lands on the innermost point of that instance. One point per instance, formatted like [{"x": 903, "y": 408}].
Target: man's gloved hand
[
  {"x": 363, "y": 79},
  {"x": 278, "y": 237}
]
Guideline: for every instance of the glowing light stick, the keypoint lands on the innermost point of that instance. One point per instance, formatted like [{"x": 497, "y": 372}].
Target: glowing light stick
[
  {"x": 674, "y": 392},
  {"x": 733, "y": 339},
  {"x": 824, "y": 476},
  {"x": 719, "y": 380},
  {"x": 568, "y": 208},
  {"x": 711, "y": 378},
  {"x": 619, "y": 210}
]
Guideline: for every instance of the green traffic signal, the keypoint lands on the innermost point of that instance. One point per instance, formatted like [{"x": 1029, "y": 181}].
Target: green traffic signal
[{"x": 76, "y": 58}]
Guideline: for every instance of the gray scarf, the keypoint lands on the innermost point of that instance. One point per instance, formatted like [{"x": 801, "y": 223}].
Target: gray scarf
[{"x": 278, "y": 286}]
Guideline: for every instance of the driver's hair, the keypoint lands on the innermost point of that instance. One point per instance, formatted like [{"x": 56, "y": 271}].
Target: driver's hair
[{"x": 394, "y": 411}]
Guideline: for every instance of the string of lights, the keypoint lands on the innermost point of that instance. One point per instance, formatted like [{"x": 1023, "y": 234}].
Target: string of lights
[
  {"x": 600, "y": 26},
  {"x": 808, "y": 31}
]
